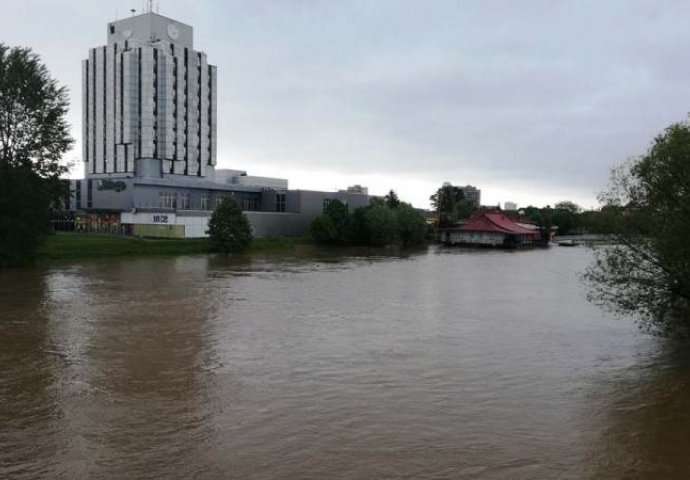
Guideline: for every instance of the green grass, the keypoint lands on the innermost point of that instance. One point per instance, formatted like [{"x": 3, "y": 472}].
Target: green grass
[{"x": 65, "y": 246}]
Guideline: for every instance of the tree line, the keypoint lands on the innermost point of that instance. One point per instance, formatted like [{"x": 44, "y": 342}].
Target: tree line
[{"x": 384, "y": 221}]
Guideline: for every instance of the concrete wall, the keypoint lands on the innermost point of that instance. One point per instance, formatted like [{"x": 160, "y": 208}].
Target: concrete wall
[
  {"x": 274, "y": 224},
  {"x": 310, "y": 203}
]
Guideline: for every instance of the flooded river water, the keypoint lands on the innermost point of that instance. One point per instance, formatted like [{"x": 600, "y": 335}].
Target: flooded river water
[{"x": 440, "y": 364}]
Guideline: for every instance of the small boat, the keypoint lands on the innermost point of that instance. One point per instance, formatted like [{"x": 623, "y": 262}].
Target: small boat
[{"x": 567, "y": 243}]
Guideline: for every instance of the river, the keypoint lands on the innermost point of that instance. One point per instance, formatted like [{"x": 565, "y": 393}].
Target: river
[{"x": 445, "y": 363}]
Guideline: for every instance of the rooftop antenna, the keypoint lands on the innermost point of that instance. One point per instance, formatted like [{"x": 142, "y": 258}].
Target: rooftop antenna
[{"x": 150, "y": 6}]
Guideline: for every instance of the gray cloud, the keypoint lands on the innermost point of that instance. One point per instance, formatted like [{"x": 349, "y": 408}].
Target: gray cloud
[{"x": 531, "y": 100}]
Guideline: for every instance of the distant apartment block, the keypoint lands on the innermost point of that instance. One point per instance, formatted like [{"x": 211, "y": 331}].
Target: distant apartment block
[
  {"x": 472, "y": 194},
  {"x": 510, "y": 206}
]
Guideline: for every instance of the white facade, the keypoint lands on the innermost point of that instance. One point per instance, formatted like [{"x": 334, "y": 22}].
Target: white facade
[
  {"x": 149, "y": 101},
  {"x": 489, "y": 239},
  {"x": 510, "y": 206},
  {"x": 195, "y": 224}
]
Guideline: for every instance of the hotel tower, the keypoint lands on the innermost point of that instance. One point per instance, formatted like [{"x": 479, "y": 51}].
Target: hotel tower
[{"x": 149, "y": 102}]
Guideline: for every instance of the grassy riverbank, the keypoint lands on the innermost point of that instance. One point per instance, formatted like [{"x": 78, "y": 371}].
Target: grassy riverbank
[{"x": 66, "y": 246}]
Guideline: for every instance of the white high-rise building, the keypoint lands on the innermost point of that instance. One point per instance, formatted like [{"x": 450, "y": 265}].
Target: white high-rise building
[{"x": 149, "y": 102}]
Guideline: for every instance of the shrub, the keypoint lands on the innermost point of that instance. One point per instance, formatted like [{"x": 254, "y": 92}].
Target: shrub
[{"x": 228, "y": 229}]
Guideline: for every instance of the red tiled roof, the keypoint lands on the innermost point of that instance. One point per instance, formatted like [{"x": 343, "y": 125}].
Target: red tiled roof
[{"x": 496, "y": 222}]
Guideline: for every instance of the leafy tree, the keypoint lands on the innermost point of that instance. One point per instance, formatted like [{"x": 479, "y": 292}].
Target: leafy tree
[
  {"x": 533, "y": 213},
  {"x": 332, "y": 226},
  {"x": 450, "y": 204},
  {"x": 359, "y": 232},
  {"x": 378, "y": 224},
  {"x": 34, "y": 135},
  {"x": 382, "y": 225},
  {"x": 410, "y": 224},
  {"x": 24, "y": 213},
  {"x": 391, "y": 200},
  {"x": 566, "y": 217},
  {"x": 568, "y": 206},
  {"x": 229, "y": 230},
  {"x": 646, "y": 273},
  {"x": 324, "y": 230},
  {"x": 600, "y": 221},
  {"x": 338, "y": 212}
]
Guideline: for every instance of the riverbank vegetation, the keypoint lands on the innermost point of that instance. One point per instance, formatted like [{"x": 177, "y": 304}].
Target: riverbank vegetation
[
  {"x": 646, "y": 273},
  {"x": 450, "y": 205},
  {"x": 386, "y": 221},
  {"x": 570, "y": 219},
  {"x": 34, "y": 135}
]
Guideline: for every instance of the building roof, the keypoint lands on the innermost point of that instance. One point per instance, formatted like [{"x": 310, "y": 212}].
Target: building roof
[{"x": 495, "y": 222}]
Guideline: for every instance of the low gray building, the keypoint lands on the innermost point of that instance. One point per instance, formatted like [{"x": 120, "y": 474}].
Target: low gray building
[{"x": 180, "y": 207}]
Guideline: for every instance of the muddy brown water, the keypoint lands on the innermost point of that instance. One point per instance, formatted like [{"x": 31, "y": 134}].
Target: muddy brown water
[{"x": 438, "y": 364}]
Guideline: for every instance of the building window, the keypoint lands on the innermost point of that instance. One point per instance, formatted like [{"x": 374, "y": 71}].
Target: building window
[
  {"x": 326, "y": 203},
  {"x": 219, "y": 200},
  {"x": 168, "y": 200},
  {"x": 250, "y": 204},
  {"x": 184, "y": 201},
  {"x": 280, "y": 202},
  {"x": 204, "y": 201}
]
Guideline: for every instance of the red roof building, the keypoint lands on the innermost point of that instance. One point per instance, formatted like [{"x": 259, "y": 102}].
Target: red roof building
[{"x": 492, "y": 229}]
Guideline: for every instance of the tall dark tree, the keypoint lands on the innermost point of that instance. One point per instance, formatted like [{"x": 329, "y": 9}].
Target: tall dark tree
[
  {"x": 333, "y": 225},
  {"x": 34, "y": 135},
  {"x": 646, "y": 273},
  {"x": 229, "y": 230},
  {"x": 392, "y": 200},
  {"x": 450, "y": 204},
  {"x": 412, "y": 228}
]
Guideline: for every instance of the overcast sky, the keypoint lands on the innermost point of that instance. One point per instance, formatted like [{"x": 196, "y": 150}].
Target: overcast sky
[{"x": 532, "y": 101}]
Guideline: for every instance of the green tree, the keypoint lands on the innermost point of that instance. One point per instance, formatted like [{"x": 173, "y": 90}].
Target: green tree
[
  {"x": 450, "y": 204},
  {"x": 24, "y": 214},
  {"x": 410, "y": 224},
  {"x": 646, "y": 273},
  {"x": 34, "y": 135},
  {"x": 378, "y": 224},
  {"x": 382, "y": 225},
  {"x": 568, "y": 206},
  {"x": 229, "y": 230},
  {"x": 339, "y": 213},
  {"x": 566, "y": 217},
  {"x": 332, "y": 226},
  {"x": 324, "y": 230},
  {"x": 359, "y": 232},
  {"x": 391, "y": 199},
  {"x": 533, "y": 213}
]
